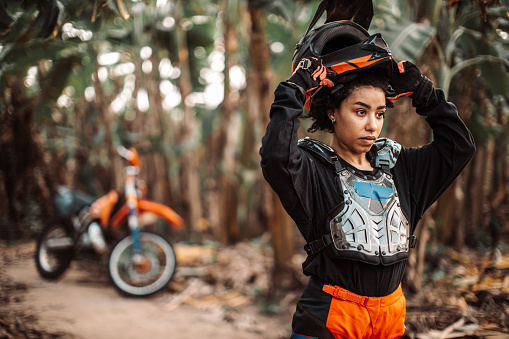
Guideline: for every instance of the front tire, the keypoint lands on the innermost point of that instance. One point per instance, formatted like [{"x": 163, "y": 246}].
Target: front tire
[
  {"x": 55, "y": 250},
  {"x": 145, "y": 273}
]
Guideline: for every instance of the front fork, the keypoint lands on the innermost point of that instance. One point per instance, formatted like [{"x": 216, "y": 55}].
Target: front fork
[{"x": 132, "y": 205}]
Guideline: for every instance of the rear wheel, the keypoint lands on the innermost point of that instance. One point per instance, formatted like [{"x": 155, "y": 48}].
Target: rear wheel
[
  {"x": 55, "y": 250},
  {"x": 144, "y": 273}
]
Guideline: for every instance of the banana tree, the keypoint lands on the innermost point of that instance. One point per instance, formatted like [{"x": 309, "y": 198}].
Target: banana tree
[
  {"x": 25, "y": 177},
  {"x": 458, "y": 47},
  {"x": 474, "y": 73},
  {"x": 36, "y": 60}
]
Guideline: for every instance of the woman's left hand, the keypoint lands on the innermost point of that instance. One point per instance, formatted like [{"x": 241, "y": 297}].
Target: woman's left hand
[{"x": 405, "y": 80}]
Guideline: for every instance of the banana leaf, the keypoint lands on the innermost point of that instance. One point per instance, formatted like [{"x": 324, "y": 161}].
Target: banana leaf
[
  {"x": 407, "y": 40},
  {"x": 29, "y": 21},
  {"x": 47, "y": 18},
  {"x": 471, "y": 45},
  {"x": 5, "y": 18},
  {"x": 19, "y": 28},
  {"x": 18, "y": 57},
  {"x": 282, "y": 8},
  {"x": 53, "y": 85}
]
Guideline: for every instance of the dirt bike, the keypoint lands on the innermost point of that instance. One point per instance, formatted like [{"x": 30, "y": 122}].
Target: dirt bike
[{"x": 141, "y": 262}]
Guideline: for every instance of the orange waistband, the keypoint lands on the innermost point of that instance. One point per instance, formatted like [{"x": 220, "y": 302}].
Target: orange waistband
[{"x": 343, "y": 294}]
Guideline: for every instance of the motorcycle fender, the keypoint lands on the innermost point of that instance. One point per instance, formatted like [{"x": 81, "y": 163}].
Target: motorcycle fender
[{"x": 148, "y": 206}]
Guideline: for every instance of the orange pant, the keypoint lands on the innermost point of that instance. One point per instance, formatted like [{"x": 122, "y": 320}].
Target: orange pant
[{"x": 354, "y": 317}]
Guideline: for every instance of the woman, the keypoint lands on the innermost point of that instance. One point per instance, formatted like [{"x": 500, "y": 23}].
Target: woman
[{"x": 357, "y": 202}]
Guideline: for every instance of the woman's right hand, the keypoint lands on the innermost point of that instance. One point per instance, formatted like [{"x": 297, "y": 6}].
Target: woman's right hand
[{"x": 311, "y": 73}]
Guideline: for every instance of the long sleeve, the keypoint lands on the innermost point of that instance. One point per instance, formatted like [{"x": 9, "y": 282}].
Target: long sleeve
[
  {"x": 306, "y": 187},
  {"x": 281, "y": 159},
  {"x": 432, "y": 168}
]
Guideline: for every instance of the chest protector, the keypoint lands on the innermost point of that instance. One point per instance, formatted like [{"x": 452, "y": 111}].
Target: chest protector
[{"x": 369, "y": 225}]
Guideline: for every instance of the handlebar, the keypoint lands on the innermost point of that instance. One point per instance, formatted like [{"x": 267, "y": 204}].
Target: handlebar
[
  {"x": 131, "y": 155},
  {"x": 123, "y": 152}
]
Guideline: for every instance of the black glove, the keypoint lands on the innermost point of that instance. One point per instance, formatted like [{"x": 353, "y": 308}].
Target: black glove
[
  {"x": 405, "y": 80},
  {"x": 311, "y": 73}
]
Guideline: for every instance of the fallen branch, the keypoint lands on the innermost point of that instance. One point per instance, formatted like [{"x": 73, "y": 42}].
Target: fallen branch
[
  {"x": 193, "y": 287},
  {"x": 449, "y": 329}
]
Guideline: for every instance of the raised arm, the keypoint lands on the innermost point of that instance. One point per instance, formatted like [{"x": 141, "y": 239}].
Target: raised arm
[
  {"x": 433, "y": 167},
  {"x": 281, "y": 159},
  {"x": 285, "y": 166}
]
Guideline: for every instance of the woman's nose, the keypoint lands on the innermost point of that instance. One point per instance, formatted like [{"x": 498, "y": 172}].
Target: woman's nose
[{"x": 371, "y": 123}]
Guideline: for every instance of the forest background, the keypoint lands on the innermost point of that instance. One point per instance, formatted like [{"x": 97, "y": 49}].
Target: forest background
[{"x": 189, "y": 84}]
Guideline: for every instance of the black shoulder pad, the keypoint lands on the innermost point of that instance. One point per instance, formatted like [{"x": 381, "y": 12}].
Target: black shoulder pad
[{"x": 324, "y": 152}]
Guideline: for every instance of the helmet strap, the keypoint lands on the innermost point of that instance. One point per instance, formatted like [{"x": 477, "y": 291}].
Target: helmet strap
[
  {"x": 360, "y": 12},
  {"x": 319, "y": 11}
]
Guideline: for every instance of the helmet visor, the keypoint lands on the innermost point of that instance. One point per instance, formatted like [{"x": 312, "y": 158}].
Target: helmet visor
[{"x": 371, "y": 52}]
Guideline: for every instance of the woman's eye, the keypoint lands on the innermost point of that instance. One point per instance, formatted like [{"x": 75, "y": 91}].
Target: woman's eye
[
  {"x": 381, "y": 114},
  {"x": 361, "y": 112}
]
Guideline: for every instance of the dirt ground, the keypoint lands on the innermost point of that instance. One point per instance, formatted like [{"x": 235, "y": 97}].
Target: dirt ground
[
  {"x": 83, "y": 304},
  {"x": 465, "y": 297}
]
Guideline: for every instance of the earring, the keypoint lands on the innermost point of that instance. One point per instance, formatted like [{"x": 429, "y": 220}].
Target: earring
[{"x": 332, "y": 119}]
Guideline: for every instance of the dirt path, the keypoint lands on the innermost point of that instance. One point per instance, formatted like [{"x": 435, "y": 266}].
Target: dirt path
[{"x": 83, "y": 304}]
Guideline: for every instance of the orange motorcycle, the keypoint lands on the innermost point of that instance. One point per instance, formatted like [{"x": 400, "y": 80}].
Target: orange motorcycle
[{"x": 141, "y": 261}]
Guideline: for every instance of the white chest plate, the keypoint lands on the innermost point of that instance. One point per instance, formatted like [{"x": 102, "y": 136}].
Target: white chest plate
[{"x": 371, "y": 222}]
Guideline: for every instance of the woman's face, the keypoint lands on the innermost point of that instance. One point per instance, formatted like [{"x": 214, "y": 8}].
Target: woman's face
[{"x": 359, "y": 120}]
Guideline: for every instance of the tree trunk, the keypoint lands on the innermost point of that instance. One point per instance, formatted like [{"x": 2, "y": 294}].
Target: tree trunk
[
  {"x": 153, "y": 125},
  {"x": 256, "y": 101},
  {"x": 415, "y": 264},
  {"x": 497, "y": 212},
  {"x": 278, "y": 221},
  {"x": 475, "y": 173},
  {"x": 228, "y": 187},
  {"x": 190, "y": 184},
  {"x": 27, "y": 184},
  {"x": 164, "y": 185},
  {"x": 110, "y": 176}
]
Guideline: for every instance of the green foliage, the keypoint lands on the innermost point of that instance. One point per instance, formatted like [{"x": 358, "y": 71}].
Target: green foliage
[
  {"x": 407, "y": 40},
  {"x": 53, "y": 84},
  {"x": 200, "y": 42},
  {"x": 282, "y": 8},
  {"x": 286, "y": 29},
  {"x": 454, "y": 42},
  {"x": 6, "y": 19}
]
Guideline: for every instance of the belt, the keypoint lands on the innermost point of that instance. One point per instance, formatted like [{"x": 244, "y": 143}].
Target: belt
[
  {"x": 344, "y": 294},
  {"x": 341, "y": 293}
]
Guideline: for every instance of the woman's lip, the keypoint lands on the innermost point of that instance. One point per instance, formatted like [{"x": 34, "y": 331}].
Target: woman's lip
[{"x": 368, "y": 140}]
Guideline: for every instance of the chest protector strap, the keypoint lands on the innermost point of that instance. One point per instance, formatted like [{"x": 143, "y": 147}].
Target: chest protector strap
[{"x": 370, "y": 225}]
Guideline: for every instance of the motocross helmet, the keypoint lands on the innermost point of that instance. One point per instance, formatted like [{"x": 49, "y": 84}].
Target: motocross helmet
[{"x": 344, "y": 47}]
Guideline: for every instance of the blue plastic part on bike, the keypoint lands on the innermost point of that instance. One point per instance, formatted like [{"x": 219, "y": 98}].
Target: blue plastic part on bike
[
  {"x": 136, "y": 240},
  {"x": 67, "y": 202}
]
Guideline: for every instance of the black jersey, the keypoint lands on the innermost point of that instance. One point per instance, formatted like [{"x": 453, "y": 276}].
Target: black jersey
[{"x": 308, "y": 189}]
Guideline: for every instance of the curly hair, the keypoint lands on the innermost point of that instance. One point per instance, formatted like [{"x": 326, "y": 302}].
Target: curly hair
[{"x": 327, "y": 99}]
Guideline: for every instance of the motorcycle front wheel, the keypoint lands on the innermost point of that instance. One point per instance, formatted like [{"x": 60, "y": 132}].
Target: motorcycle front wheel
[
  {"x": 55, "y": 250},
  {"x": 144, "y": 273}
]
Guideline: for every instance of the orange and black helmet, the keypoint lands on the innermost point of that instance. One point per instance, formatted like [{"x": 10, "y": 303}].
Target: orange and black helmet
[{"x": 344, "y": 47}]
